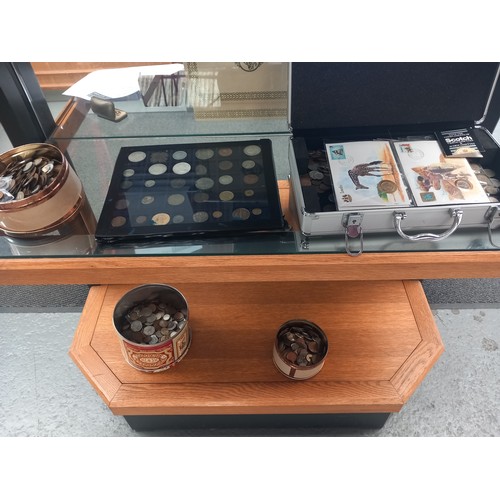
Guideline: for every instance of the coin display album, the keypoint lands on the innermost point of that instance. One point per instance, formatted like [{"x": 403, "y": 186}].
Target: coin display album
[{"x": 187, "y": 189}]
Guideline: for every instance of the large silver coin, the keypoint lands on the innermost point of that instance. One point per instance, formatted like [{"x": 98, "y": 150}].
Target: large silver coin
[
  {"x": 225, "y": 180},
  {"x": 204, "y": 183},
  {"x": 252, "y": 150},
  {"x": 179, "y": 155},
  {"x": 204, "y": 154},
  {"x": 157, "y": 169},
  {"x": 181, "y": 168},
  {"x": 136, "y": 156},
  {"x": 176, "y": 199}
]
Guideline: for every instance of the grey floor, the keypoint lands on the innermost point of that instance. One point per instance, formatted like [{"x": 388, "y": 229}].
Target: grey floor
[{"x": 44, "y": 394}]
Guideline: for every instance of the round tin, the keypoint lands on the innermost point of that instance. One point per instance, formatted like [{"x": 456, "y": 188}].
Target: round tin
[
  {"x": 291, "y": 369},
  {"x": 51, "y": 206},
  {"x": 158, "y": 357}
]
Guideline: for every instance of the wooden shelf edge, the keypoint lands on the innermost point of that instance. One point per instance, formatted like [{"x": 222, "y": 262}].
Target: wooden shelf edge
[
  {"x": 425, "y": 355},
  {"x": 102, "y": 379},
  {"x": 256, "y": 398}
]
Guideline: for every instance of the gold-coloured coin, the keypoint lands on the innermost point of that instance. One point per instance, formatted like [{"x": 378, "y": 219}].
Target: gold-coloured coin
[
  {"x": 118, "y": 221},
  {"x": 161, "y": 219},
  {"x": 226, "y": 195}
]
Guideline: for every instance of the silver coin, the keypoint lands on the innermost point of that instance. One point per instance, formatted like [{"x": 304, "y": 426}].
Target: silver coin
[
  {"x": 136, "y": 326},
  {"x": 204, "y": 154},
  {"x": 204, "y": 183},
  {"x": 226, "y": 165},
  {"x": 178, "y": 219},
  {"x": 128, "y": 172},
  {"x": 201, "y": 197},
  {"x": 248, "y": 164},
  {"x": 157, "y": 169},
  {"x": 225, "y": 180},
  {"x": 126, "y": 184},
  {"x": 241, "y": 213},
  {"x": 179, "y": 155},
  {"x": 47, "y": 168},
  {"x": 226, "y": 195},
  {"x": 147, "y": 200},
  {"x": 141, "y": 219},
  {"x": 149, "y": 183},
  {"x": 181, "y": 168},
  {"x": 178, "y": 183},
  {"x": 200, "y": 216},
  {"x": 136, "y": 156},
  {"x": 200, "y": 170},
  {"x": 176, "y": 199},
  {"x": 149, "y": 330},
  {"x": 252, "y": 150},
  {"x": 121, "y": 204}
]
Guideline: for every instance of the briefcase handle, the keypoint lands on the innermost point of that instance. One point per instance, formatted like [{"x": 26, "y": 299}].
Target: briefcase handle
[{"x": 456, "y": 213}]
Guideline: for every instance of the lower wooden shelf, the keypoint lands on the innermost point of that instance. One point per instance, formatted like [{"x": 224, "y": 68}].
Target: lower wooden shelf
[{"x": 382, "y": 343}]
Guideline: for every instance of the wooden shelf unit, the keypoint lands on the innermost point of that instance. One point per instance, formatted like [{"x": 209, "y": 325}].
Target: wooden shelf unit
[{"x": 382, "y": 341}]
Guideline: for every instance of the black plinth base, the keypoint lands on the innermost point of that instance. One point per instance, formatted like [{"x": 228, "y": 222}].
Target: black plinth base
[{"x": 221, "y": 422}]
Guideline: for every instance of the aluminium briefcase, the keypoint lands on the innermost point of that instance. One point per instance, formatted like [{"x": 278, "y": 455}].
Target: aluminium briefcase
[{"x": 401, "y": 106}]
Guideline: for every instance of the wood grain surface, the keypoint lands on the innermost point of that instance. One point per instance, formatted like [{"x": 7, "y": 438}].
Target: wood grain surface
[{"x": 382, "y": 342}]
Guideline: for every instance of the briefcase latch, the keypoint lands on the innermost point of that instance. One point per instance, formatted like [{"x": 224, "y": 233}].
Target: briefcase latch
[{"x": 353, "y": 231}]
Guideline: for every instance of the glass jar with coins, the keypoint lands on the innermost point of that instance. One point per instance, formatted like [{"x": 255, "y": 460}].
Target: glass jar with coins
[
  {"x": 152, "y": 324},
  {"x": 300, "y": 349},
  {"x": 39, "y": 190}
]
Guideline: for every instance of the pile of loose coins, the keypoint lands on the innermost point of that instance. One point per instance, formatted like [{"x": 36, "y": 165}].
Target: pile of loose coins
[
  {"x": 22, "y": 178},
  {"x": 153, "y": 322},
  {"x": 301, "y": 345},
  {"x": 488, "y": 181}
]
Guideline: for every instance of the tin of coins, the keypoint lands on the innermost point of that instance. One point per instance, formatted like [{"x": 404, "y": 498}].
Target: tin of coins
[
  {"x": 40, "y": 190},
  {"x": 145, "y": 345},
  {"x": 300, "y": 348}
]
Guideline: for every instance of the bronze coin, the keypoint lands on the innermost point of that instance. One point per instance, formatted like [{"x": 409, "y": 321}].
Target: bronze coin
[
  {"x": 386, "y": 186},
  {"x": 225, "y": 151},
  {"x": 118, "y": 221},
  {"x": 217, "y": 214},
  {"x": 251, "y": 179}
]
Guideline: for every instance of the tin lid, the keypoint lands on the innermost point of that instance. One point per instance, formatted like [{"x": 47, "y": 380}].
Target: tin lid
[{"x": 333, "y": 96}]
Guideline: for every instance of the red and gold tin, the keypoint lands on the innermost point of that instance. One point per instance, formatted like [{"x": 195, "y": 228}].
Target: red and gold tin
[
  {"x": 162, "y": 354},
  {"x": 52, "y": 205},
  {"x": 300, "y": 349}
]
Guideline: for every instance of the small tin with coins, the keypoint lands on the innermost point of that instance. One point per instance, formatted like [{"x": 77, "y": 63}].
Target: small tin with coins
[
  {"x": 39, "y": 190},
  {"x": 300, "y": 348},
  {"x": 152, "y": 324}
]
